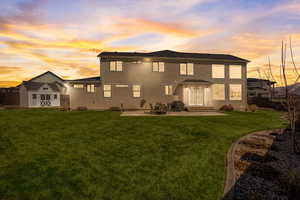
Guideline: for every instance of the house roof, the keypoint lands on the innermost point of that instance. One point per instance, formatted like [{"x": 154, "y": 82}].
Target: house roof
[
  {"x": 174, "y": 54},
  {"x": 259, "y": 80},
  {"x": 29, "y": 85},
  {"x": 96, "y": 78},
  {"x": 47, "y": 72}
]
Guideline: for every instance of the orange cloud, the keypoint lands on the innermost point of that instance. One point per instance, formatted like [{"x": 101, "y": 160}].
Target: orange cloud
[{"x": 4, "y": 84}]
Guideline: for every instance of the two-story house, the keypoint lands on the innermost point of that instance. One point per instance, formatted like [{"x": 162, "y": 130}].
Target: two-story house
[
  {"x": 199, "y": 80},
  {"x": 204, "y": 80}
]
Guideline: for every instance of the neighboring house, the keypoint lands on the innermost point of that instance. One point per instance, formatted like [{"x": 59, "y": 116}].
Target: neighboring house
[
  {"x": 260, "y": 88},
  {"x": 293, "y": 89},
  {"x": 9, "y": 96},
  {"x": 199, "y": 80}
]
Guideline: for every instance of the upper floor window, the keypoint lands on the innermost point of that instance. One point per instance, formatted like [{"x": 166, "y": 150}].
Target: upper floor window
[
  {"x": 107, "y": 90},
  {"x": 235, "y": 71},
  {"x": 218, "y": 92},
  {"x": 158, "y": 66},
  {"x": 168, "y": 89},
  {"x": 116, "y": 66},
  {"x": 78, "y": 85},
  {"x": 235, "y": 91},
  {"x": 90, "y": 88},
  {"x": 186, "y": 69},
  {"x": 218, "y": 71},
  {"x": 136, "y": 90}
]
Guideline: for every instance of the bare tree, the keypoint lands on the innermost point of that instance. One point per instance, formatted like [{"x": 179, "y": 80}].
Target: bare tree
[{"x": 290, "y": 98}]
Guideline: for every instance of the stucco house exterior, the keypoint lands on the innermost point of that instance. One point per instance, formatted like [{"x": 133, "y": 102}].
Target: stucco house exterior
[{"x": 199, "y": 80}]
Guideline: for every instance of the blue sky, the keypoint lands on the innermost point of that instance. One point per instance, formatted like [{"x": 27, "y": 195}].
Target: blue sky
[{"x": 65, "y": 36}]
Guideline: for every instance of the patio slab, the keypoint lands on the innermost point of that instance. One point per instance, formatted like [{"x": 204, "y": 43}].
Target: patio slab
[{"x": 142, "y": 113}]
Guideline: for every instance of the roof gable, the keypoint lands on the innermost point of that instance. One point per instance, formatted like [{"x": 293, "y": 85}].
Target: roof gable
[{"x": 47, "y": 77}]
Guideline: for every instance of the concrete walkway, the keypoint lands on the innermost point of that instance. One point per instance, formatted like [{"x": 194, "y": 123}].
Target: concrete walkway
[{"x": 143, "y": 114}]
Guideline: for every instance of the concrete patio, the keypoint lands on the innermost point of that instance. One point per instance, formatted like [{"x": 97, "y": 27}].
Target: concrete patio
[{"x": 184, "y": 113}]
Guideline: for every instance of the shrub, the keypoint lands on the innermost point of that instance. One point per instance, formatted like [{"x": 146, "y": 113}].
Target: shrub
[
  {"x": 252, "y": 108},
  {"x": 227, "y": 108},
  {"x": 177, "y": 106},
  {"x": 290, "y": 179},
  {"x": 159, "y": 109},
  {"x": 142, "y": 103}
]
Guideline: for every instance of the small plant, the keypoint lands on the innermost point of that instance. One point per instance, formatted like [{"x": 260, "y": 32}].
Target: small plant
[
  {"x": 227, "y": 108},
  {"x": 177, "y": 106},
  {"x": 142, "y": 103},
  {"x": 252, "y": 108},
  {"x": 159, "y": 109}
]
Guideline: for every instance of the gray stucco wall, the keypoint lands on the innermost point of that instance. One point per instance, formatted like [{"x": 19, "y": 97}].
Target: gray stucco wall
[{"x": 152, "y": 83}]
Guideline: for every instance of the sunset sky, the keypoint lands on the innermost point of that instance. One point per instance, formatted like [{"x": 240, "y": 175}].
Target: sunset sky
[{"x": 65, "y": 36}]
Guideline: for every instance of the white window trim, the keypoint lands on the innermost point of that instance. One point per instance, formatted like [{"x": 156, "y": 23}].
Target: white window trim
[
  {"x": 217, "y": 67},
  {"x": 241, "y": 92},
  {"x": 90, "y": 88},
  {"x": 184, "y": 69},
  {"x": 78, "y": 86},
  {"x": 168, "y": 90},
  {"x": 116, "y": 66},
  {"x": 158, "y": 66},
  {"x": 107, "y": 91},
  {"x": 231, "y": 75},
  {"x": 135, "y": 90}
]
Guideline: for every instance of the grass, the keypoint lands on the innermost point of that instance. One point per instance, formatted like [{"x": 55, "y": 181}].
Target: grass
[{"x": 49, "y": 154}]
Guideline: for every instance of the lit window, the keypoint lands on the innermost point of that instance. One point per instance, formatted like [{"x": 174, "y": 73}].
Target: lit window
[
  {"x": 33, "y": 96},
  {"x": 186, "y": 69},
  {"x": 158, "y": 66},
  {"x": 218, "y": 92},
  {"x": 121, "y": 86},
  {"x": 136, "y": 90},
  {"x": 168, "y": 89},
  {"x": 116, "y": 66},
  {"x": 218, "y": 71},
  {"x": 78, "y": 86},
  {"x": 235, "y": 71},
  {"x": 235, "y": 92},
  {"x": 107, "y": 90},
  {"x": 90, "y": 88}
]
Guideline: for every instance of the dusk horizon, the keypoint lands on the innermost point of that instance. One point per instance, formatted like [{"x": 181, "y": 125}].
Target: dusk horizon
[{"x": 65, "y": 37}]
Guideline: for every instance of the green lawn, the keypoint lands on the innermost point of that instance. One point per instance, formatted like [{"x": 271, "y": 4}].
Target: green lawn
[{"x": 49, "y": 154}]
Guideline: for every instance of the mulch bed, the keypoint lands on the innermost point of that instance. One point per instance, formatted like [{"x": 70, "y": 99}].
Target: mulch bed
[{"x": 266, "y": 168}]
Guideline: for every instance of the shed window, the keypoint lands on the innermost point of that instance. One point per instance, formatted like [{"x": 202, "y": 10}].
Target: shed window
[
  {"x": 168, "y": 89},
  {"x": 235, "y": 71},
  {"x": 235, "y": 92}
]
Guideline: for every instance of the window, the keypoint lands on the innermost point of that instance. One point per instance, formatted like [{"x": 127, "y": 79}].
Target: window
[
  {"x": 158, "y": 66},
  {"x": 218, "y": 71},
  {"x": 168, "y": 89},
  {"x": 45, "y": 88},
  {"x": 235, "y": 71},
  {"x": 116, "y": 66},
  {"x": 107, "y": 90},
  {"x": 136, "y": 90},
  {"x": 33, "y": 96},
  {"x": 78, "y": 86},
  {"x": 235, "y": 92},
  {"x": 122, "y": 86},
  {"x": 218, "y": 92},
  {"x": 90, "y": 88},
  {"x": 48, "y": 97},
  {"x": 55, "y": 96},
  {"x": 186, "y": 69}
]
